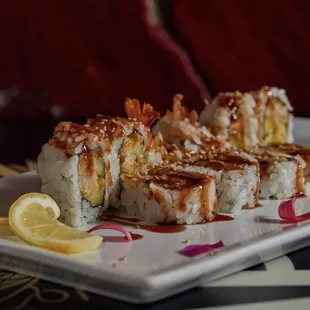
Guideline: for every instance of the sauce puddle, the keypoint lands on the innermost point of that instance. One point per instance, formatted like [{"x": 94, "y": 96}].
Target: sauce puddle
[
  {"x": 219, "y": 218},
  {"x": 121, "y": 239},
  {"x": 128, "y": 219},
  {"x": 222, "y": 218},
  {"x": 163, "y": 228}
]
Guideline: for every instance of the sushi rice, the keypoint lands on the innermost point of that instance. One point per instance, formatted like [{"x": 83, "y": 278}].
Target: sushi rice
[
  {"x": 274, "y": 113},
  {"x": 171, "y": 197},
  {"x": 281, "y": 176},
  {"x": 231, "y": 116},
  {"x": 61, "y": 168},
  {"x": 236, "y": 176}
]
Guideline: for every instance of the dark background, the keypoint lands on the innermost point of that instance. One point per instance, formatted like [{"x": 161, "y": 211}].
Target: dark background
[{"x": 67, "y": 60}]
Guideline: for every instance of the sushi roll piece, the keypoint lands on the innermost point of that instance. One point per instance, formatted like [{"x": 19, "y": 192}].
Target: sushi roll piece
[
  {"x": 182, "y": 128},
  {"x": 275, "y": 121},
  {"x": 168, "y": 196},
  {"x": 73, "y": 169},
  {"x": 294, "y": 150},
  {"x": 81, "y": 165},
  {"x": 232, "y": 116},
  {"x": 126, "y": 154},
  {"x": 281, "y": 175},
  {"x": 236, "y": 175},
  {"x": 146, "y": 115},
  {"x": 132, "y": 148}
]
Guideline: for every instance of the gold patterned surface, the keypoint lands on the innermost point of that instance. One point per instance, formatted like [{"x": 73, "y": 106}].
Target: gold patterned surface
[
  {"x": 13, "y": 169},
  {"x": 19, "y": 291}
]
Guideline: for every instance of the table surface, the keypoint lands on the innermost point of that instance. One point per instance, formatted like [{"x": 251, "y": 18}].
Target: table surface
[{"x": 281, "y": 283}]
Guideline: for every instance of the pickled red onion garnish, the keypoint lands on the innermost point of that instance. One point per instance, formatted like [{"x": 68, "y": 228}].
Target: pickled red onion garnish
[
  {"x": 287, "y": 212},
  {"x": 196, "y": 249},
  {"x": 112, "y": 227}
]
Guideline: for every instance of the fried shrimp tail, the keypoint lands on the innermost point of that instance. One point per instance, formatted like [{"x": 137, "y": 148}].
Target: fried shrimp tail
[
  {"x": 180, "y": 112},
  {"x": 147, "y": 115}
]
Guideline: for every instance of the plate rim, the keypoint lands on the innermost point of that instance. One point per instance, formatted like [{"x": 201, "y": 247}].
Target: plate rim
[{"x": 152, "y": 285}]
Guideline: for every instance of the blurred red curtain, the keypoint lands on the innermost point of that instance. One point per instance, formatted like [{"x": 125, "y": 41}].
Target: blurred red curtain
[{"x": 79, "y": 58}]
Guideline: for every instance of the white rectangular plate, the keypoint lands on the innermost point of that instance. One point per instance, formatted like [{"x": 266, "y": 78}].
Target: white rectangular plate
[{"x": 154, "y": 269}]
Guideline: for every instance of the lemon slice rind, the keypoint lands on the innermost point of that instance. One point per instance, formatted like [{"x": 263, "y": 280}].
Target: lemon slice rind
[{"x": 56, "y": 235}]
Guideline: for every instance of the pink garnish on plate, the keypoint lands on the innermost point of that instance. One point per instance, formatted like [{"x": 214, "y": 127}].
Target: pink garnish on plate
[
  {"x": 112, "y": 227},
  {"x": 287, "y": 212},
  {"x": 196, "y": 249}
]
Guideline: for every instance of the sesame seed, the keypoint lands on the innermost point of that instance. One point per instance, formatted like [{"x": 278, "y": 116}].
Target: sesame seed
[
  {"x": 188, "y": 241},
  {"x": 123, "y": 259},
  {"x": 62, "y": 138},
  {"x": 138, "y": 226}
]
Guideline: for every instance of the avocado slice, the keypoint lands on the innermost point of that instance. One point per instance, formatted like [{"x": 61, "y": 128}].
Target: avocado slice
[{"x": 275, "y": 121}]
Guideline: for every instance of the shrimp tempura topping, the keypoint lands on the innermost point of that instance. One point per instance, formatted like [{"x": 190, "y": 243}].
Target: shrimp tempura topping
[{"x": 147, "y": 115}]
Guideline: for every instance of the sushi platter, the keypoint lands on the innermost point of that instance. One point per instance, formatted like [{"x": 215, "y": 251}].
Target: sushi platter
[{"x": 148, "y": 206}]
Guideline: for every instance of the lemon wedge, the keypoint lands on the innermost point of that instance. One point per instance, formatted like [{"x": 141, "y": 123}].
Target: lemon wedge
[
  {"x": 33, "y": 218},
  {"x": 5, "y": 229}
]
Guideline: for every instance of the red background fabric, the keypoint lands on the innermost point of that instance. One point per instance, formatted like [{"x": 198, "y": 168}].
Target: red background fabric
[
  {"x": 87, "y": 56},
  {"x": 242, "y": 44}
]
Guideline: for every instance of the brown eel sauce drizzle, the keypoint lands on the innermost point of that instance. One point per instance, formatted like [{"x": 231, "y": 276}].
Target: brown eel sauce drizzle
[
  {"x": 232, "y": 103},
  {"x": 219, "y": 218},
  {"x": 185, "y": 185},
  {"x": 163, "y": 228},
  {"x": 121, "y": 239}
]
